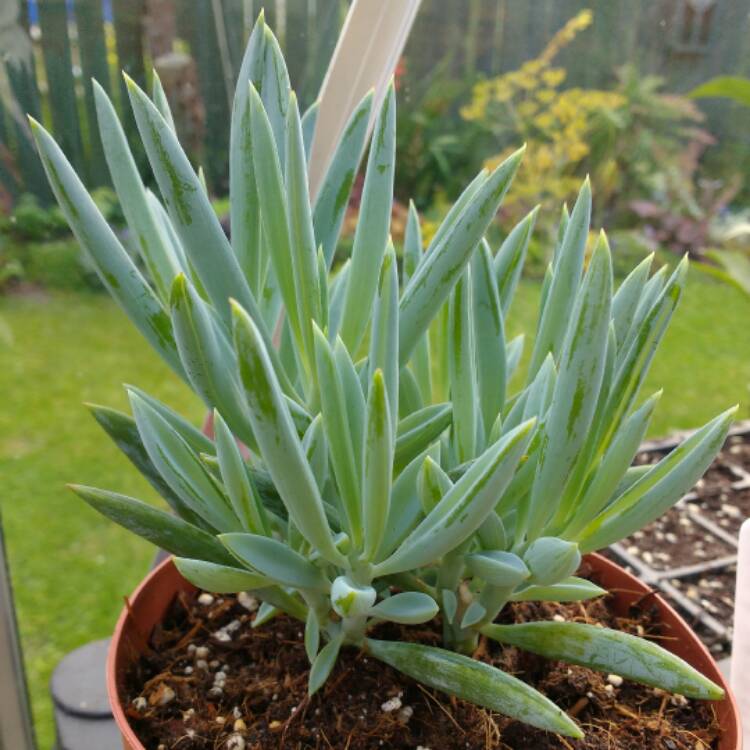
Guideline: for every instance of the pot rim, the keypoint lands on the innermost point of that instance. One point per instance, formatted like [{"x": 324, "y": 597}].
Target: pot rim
[
  {"x": 166, "y": 569},
  {"x": 163, "y": 569}
]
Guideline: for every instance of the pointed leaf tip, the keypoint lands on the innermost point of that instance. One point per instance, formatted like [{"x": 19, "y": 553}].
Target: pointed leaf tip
[{"x": 178, "y": 289}]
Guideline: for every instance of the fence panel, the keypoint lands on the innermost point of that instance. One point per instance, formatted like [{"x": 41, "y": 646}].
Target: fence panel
[
  {"x": 22, "y": 83},
  {"x": 128, "y": 16},
  {"x": 58, "y": 65},
  {"x": 471, "y": 38},
  {"x": 92, "y": 47}
]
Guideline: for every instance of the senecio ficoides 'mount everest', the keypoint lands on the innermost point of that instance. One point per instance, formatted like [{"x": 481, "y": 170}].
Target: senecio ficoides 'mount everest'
[{"x": 367, "y": 492}]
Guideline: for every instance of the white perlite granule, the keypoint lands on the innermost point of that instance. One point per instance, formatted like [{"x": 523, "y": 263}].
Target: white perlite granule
[
  {"x": 250, "y": 603},
  {"x": 392, "y": 704}
]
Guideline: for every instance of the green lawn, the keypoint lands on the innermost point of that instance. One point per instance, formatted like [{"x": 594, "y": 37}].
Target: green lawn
[{"x": 71, "y": 568}]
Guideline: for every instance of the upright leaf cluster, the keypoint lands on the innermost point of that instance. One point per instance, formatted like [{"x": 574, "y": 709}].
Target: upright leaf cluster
[{"x": 338, "y": 486}]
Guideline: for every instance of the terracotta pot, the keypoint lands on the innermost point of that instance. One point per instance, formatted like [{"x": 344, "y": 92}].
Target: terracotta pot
[
  {"x": 680, "y": 639},
  {"x": 150, "y": 601}
]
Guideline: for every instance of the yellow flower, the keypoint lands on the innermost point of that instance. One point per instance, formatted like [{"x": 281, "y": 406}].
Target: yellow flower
[
  {"x": 527, "y": 82},
  {"x": 502, "y": 92},
  {"x": 532, "y": 67},
  {"x": 471, "y": 112},
  {"x": 583, "y": 20},
  {"x": 554, "y": 76},
  {"x": 528, "y": 108},
  {"x": 566, "y": 34},
  {"x": 545, "y": 96},
  {"x": 429, "y": 229},
  {"x": 577, "y": 151},
  {"x": 542, "y": 157},
  {"x": 544, "y": 121}
]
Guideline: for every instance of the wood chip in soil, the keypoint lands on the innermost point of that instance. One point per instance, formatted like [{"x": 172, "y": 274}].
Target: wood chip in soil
[{"x": 213, "y": 682}]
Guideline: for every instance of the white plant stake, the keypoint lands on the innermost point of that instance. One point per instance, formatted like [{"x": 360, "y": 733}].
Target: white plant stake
[
  {"x": 371, "y": 41},
  {"x": 740, "y": 676}
]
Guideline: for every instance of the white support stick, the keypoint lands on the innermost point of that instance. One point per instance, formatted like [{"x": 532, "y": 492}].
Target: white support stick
[
  {"x": 371, "y": 41},
  {"x": 740, "y": 670}
]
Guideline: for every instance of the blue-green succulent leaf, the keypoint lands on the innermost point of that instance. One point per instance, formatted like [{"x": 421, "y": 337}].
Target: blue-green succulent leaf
[
  {"x": 474, "y": 681},
  {"x": 610, "y": 651}
]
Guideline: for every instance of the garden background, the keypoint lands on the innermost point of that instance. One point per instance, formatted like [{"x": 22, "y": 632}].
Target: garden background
[{"x": 599, "y": 88}]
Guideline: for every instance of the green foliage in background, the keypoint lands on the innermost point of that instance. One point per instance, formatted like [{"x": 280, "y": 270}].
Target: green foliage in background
[
  {"x": 31, "y": 222},
  {"x": 437, "y": 153},
  {"x": 735, "y": 88},
  {"x": 36, "y": 245},
  {"x": 631, "y": 138}
]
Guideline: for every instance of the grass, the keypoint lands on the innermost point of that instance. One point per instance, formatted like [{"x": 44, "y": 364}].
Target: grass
[{"x": 71, "y": 568}]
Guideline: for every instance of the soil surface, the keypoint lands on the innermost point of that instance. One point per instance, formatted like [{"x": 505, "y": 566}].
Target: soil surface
[{"x": 213, "y": 682}]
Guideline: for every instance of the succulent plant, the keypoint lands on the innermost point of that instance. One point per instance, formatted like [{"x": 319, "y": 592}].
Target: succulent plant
[{"x": 368, "y": 461}]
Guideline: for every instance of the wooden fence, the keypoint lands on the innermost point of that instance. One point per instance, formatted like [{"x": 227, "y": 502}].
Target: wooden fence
[
  {"x": 686, "y": 41},
  {"x": 196, "y": 46}
]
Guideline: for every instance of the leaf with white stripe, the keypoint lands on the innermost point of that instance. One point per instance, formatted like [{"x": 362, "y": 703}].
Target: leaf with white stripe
[
  {"x": 301, "y": 234},
  {"x": 576, "y": 388},
  {"x": 474, "y": 681},
  {"x": 462, "y": 369},
  {"x": 181, "y": 468},
  {"x": 243, "y": 496},
  {"x": 207, "y": 356},
  {"x": 113, "y": 264},
  {"x": 190, "y": 209},
  {"x": 277, "y": 561},
  {"x": 563, "y": 289},
  {"x": 154, "y": 246},
  {"x": 333, "y": 197},
  {"x": 407, "y": 608},
  {"x": 219, "y": 579},
  {"x": 377, "y": 461},
  {"x": 464, "y": 507},
  {"x": 447, "y": 256},
  {"x": 243, "y": 194},
  {"x": 371, "y": 235},
  {"x": 509, "y": 260},
  {"x": 489, "y": 338},
  {"x": 333, "y": 407},
  {"x": 164, "y": 529},
  {"x": 277, "y": 438},
  {"x": 384, "y": 333},
  {"x": 659, "y": 488},
  {"x": 610, "y": 651}
]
